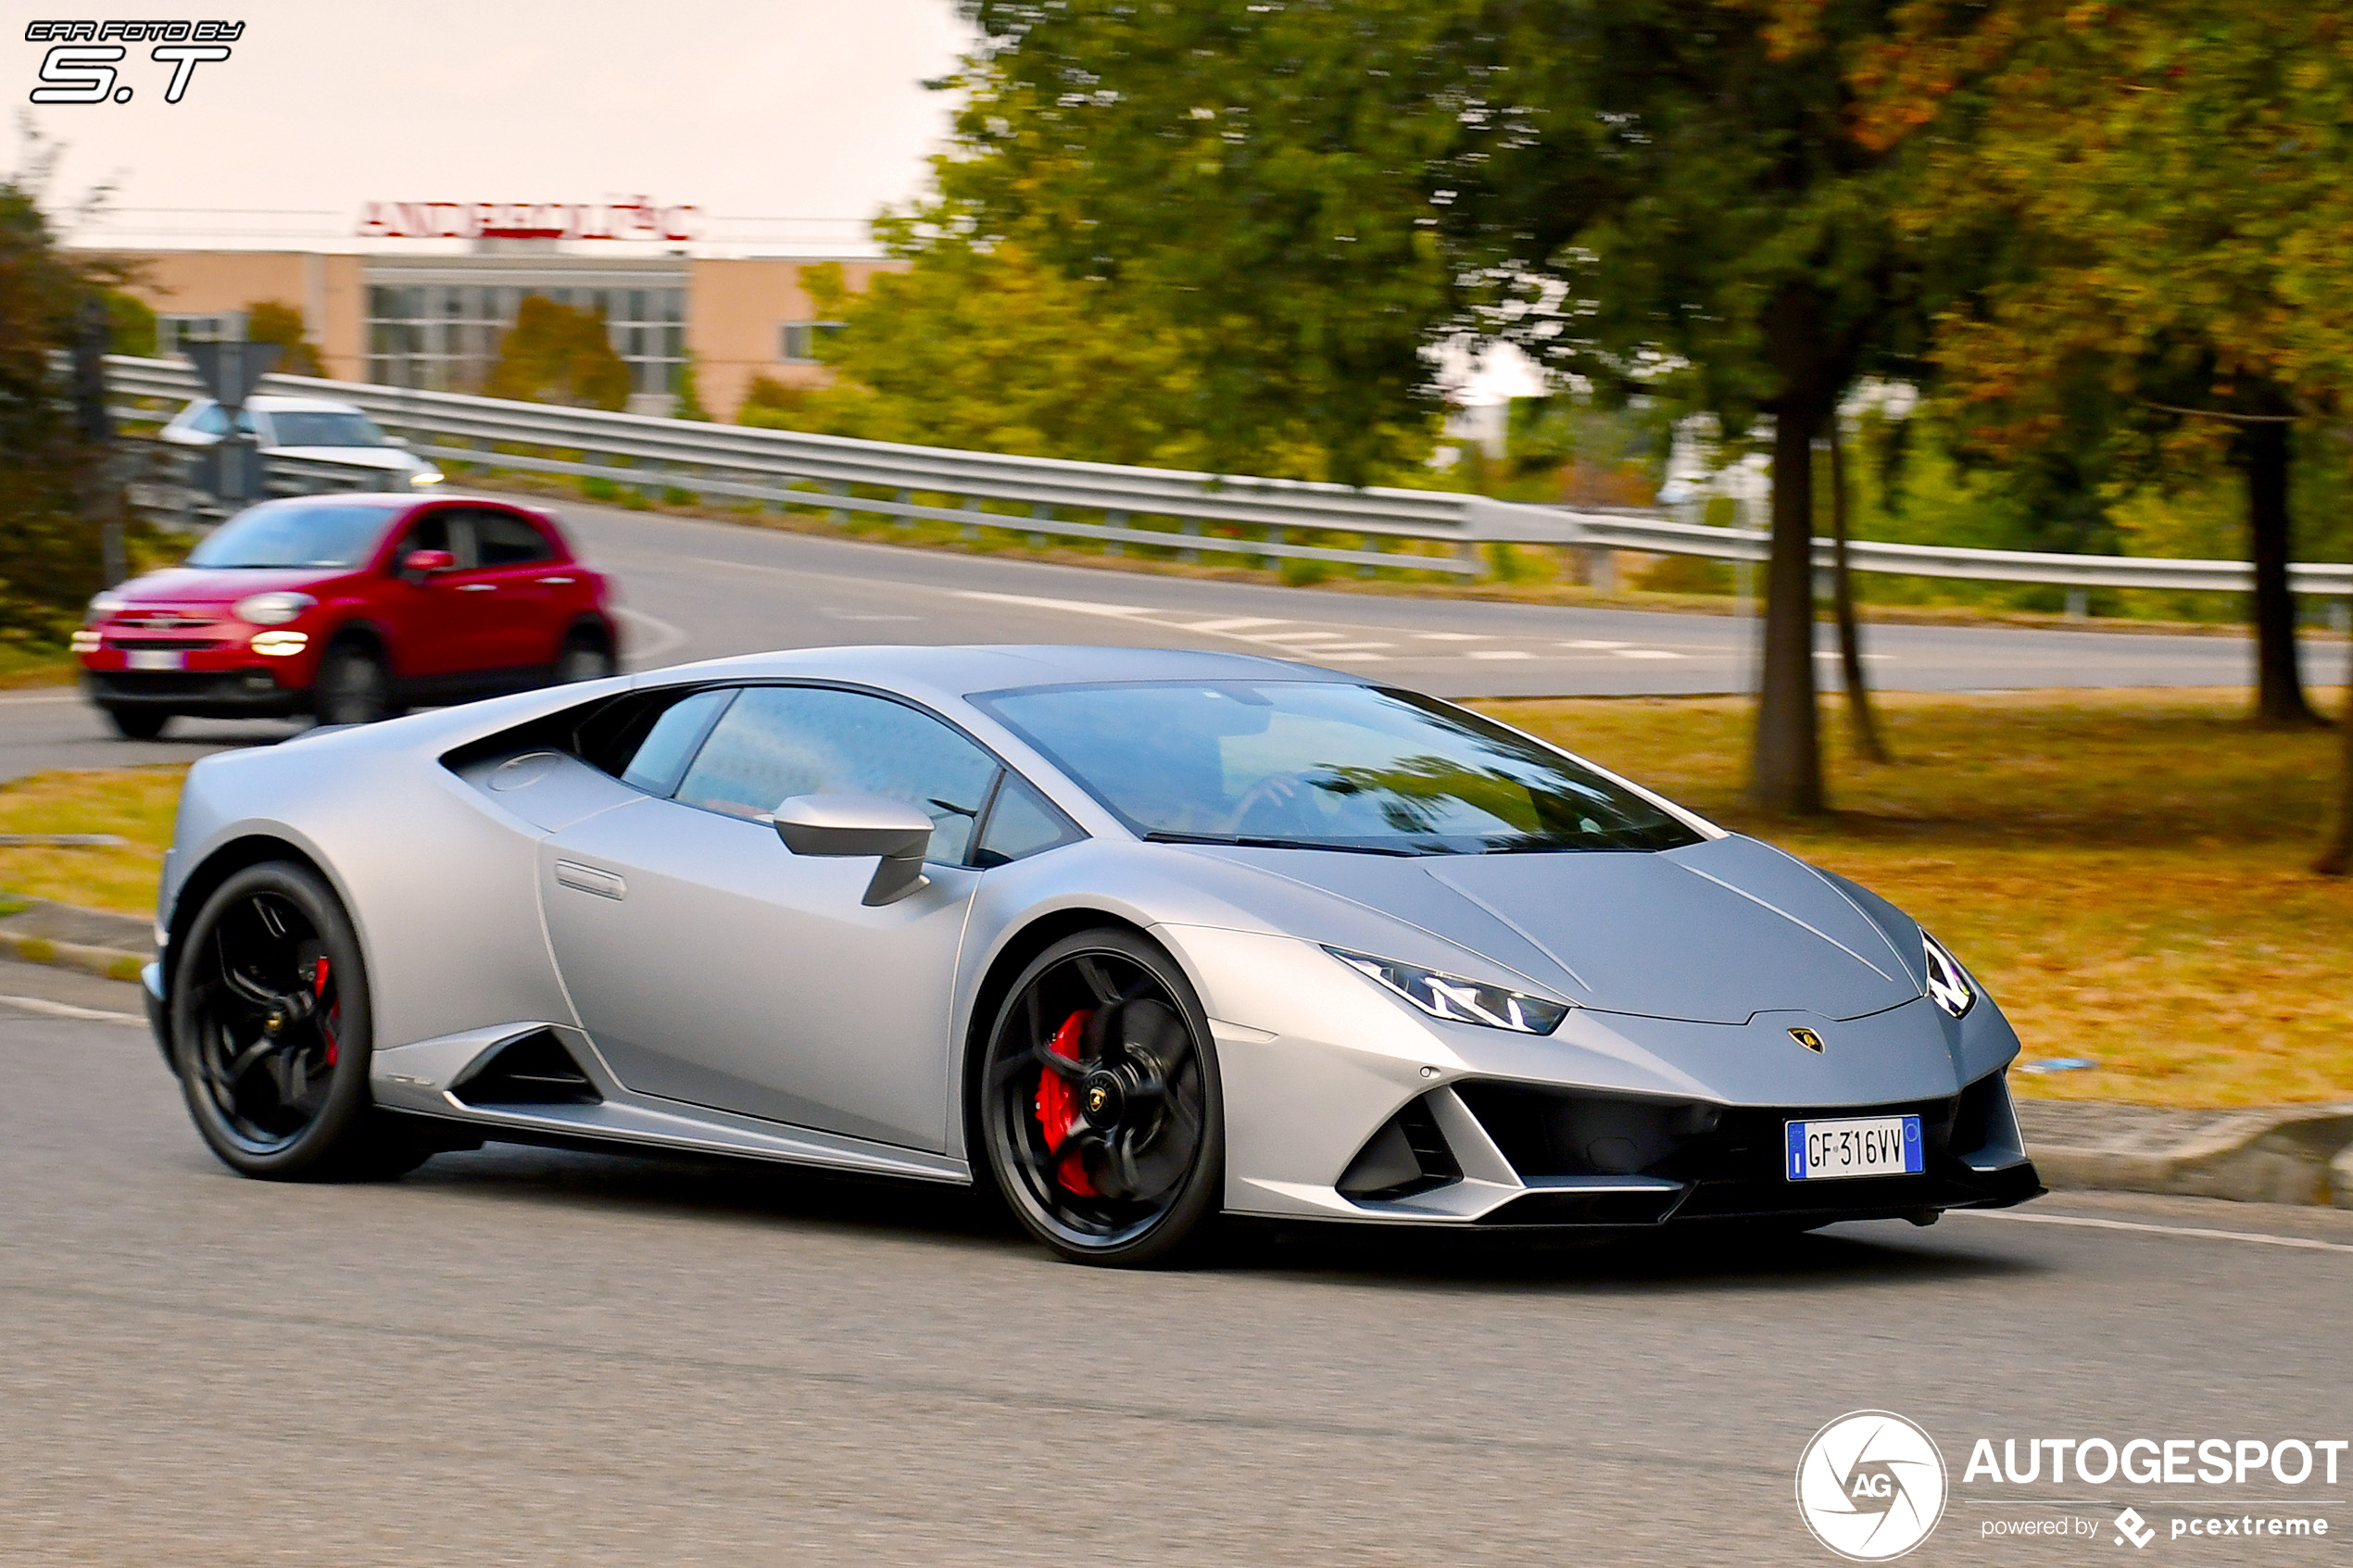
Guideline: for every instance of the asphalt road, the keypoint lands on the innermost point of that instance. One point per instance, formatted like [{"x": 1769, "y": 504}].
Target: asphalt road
[
  {"x": 525, "y": 1357},
  {"x": 697, "y": 590}
]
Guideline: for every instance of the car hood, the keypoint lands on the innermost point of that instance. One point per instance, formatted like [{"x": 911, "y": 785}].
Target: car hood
[
  {"x": 194, "y": 588},
  {"x": 390, "y": 457},
  {"x": 1714, "y": 932}
]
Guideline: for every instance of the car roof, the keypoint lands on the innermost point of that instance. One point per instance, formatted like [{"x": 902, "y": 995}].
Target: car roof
[{"x": 967, "y": 670}]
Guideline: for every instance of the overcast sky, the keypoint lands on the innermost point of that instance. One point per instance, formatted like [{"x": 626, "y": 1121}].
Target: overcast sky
[{"x": 800, "y": 109}]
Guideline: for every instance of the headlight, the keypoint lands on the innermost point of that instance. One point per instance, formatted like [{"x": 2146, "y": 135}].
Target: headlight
[
  {"x": 1948, "y": 982},
  {"x": 270, "y": 609},
  {"x": 1458, "y": 1001},
  {"x": 429, "y": 476},
  {"x": 104, "y": 603}
]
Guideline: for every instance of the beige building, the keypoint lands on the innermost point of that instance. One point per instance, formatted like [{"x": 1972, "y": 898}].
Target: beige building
[{"x": 434, "y": 321}]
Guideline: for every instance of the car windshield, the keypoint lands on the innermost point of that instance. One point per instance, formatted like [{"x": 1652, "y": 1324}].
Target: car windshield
[
  {"x": 1325, "y": 765},
  {"x": 312, "y": 427},
  {"x": 297, "y": 533}
]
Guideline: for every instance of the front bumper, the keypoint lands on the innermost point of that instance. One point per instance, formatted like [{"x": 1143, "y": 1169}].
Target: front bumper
[{"x": 209, "y": 694}]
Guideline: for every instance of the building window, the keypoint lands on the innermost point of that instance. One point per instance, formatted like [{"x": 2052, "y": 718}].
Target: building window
[
  {"x": 800, "y": 339},
  {"x": 175, "y": 333},
  {"x": 446, "y": 339}
]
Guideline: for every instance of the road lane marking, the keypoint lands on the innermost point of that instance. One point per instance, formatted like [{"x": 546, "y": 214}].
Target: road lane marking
[
  {"x": 1495, "y": 652},
  {"x": 1298, "y": 637},
  {"x": 69, "y": 694},
  {"x": 1649, "y": 653},
  {"x": 1231, "y": 623},
  {"x": 2198, "y": 1233},
  {"x": 48, "y": 1008},
  {"x": 1593, "y": 643},
  {"x": 667, "y": 638},
  {"x": 1454, "y": 636},
  {"x": 1077, "y": 606}
]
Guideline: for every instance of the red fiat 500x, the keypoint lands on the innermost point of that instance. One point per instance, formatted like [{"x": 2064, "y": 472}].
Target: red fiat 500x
[{"x": 352, "y": 608}]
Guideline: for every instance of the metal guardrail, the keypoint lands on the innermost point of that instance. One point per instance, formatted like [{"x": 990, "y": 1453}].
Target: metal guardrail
[{"x": 789, "y": 468}]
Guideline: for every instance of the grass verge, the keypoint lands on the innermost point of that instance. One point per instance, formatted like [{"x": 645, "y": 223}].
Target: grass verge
[{"x": 2125, "y": 870}]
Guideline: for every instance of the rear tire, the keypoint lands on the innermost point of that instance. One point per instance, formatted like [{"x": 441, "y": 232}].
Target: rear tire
[
  {"x": 270, "y": 1034},
  {"x": 353, "y": 687},
  {"x": 138, "y": 723},
  {"x": 583, "y": 659}
]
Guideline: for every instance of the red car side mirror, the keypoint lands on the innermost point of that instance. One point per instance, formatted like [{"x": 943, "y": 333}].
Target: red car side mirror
[{"x": 421, "y": 564}]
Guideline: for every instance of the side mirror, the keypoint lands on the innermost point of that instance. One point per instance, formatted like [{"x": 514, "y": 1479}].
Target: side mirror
[
  {"x": 420, "y": 564},
  {"x": 860, "y": 824}
]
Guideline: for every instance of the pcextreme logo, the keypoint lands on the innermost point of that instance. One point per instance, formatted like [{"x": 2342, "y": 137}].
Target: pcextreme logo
[{"x": 1871, "y": 1486}]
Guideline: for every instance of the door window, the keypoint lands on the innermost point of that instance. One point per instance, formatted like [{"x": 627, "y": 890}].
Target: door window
[
  {"x": 504, "y": 539},
  {"x": 442, "y": 530},
  {"x": 776, "y": 742}
]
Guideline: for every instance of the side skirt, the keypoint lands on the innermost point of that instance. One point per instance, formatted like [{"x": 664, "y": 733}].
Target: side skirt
[{"x": 430, "y": 1078}]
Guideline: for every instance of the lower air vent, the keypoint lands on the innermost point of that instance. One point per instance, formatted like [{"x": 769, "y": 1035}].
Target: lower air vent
[
  {"x": 1408, "y": 1155},
  {"x": 534, "y": 1070}
]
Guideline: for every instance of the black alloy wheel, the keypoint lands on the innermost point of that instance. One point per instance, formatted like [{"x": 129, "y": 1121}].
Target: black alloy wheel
[
  {"x": 353, "y": 687},
  {"x": 138, "y": 723},
  {"x": 270, "y": 1032},
  {"x": 1100, "y": 1103}
]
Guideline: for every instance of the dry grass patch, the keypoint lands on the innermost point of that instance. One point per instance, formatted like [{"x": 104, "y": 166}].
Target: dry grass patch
[
  {"x": 2125, "y": 869},
  {"x": 135, "y": 803}
]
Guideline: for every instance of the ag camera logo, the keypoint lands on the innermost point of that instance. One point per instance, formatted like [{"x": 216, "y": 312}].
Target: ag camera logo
[{"x": 1871, "y": 1486}]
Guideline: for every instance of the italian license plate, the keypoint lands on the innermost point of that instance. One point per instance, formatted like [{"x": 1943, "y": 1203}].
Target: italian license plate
[
  {"x": 1862, "y": 1145},
  {"x": 152, "y": 659}
]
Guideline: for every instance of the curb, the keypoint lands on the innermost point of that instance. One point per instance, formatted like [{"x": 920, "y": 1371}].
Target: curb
[{"x": 94, "y": 941}]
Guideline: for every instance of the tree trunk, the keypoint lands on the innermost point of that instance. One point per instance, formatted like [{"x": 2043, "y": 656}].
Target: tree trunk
[
  {"x": 2279, "y": 686},
  {"x": 1785, "y": 765},
  {"x": 1850, "y": 637},
  {"x": 2337, "y": 858}
]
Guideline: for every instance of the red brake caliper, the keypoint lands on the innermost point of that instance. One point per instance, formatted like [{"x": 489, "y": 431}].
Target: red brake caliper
[
  {"x": 1057, "y": 1107},
  {"x": 319, "y": 988}
]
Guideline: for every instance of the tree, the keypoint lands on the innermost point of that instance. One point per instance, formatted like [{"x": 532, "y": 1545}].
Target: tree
[
  {"x": 2171, "y": 179},
  {"x": 1663, "y": 195},
  {"x": 270, "y": 321},
  {"x": 50, "y": 560},
  {"x": 558, "y": 354}
]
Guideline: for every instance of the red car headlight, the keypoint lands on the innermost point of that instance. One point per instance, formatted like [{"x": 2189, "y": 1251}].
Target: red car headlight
[{"x": 271, "y": 609}]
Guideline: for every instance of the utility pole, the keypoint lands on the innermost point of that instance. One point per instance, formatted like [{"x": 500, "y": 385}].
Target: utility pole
[{"x": 101, "y": 495}]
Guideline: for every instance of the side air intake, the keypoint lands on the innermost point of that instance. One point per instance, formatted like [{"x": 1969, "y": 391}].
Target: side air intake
[
  {"x": 1408, "y": 1155},
  {"x": 533, "y": 1070}
]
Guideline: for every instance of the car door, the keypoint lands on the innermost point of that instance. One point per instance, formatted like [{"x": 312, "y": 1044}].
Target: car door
[
  {"x": 526, "y": 581},
  {"x": 439, "y": 622},
  {"x": 713, "y": 965}
]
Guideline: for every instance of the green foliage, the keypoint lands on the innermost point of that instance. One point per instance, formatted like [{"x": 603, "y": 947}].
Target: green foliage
[
  {"x": 558, "y": 354},
  {"x": 49, "y": 557},
  {"x": 271, "y": 321},
  {"x": 690, "y": 404},
  {"x": 135, "y": 324}
]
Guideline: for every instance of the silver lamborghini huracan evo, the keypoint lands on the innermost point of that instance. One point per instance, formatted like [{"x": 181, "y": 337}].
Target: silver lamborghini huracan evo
[{"x": 1137, "y": 938}]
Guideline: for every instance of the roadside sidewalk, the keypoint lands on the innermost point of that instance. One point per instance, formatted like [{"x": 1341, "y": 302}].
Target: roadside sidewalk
[{"x": 2270, "y": 1154}]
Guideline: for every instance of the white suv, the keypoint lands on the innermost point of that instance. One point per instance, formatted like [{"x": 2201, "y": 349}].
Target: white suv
[{"x": 317, "y": 430}]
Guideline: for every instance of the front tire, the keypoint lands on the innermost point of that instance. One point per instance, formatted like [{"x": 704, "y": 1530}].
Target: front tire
[
  {"x": 1100, "y": 1104},
  {"x": 353, "y": 687},
  {"x": 138, "y": 723},
  {"x": 270, "y": 1034}
]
